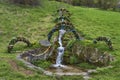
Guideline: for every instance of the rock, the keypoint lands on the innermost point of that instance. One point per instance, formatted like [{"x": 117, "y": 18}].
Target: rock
[
  {"x": 45, "y": 43},
  {"x": 1, "y": 32},
  {"x": 92, "y": 55}
]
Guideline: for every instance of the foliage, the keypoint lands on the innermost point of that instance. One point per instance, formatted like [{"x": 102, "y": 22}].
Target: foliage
[
  {"x": 26, "y": 2},
  {"x": 86, "y": 66},
  {"x": 42, "y": 63},
  {"x": 73, "y": 60},
  {"x": 103, "y": 4}
]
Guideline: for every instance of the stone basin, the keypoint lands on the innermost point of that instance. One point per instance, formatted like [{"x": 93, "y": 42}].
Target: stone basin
[
  {"x": 47, "y": 52},
  {"x": 68, "y": 70}
]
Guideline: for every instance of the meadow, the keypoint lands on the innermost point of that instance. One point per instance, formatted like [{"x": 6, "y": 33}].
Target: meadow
[{"x": 34, "y": 23}]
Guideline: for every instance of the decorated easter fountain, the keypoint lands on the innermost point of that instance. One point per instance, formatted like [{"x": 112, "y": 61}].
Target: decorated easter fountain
[{"x": 64, "y": 53}]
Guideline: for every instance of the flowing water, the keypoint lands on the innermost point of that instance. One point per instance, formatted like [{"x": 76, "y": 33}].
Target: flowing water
[{"x": 60, "y": 50}]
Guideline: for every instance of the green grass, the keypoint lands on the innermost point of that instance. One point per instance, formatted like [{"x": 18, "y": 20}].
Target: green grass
[
  {"x": 35, "y": 22},
  {"x": 42, "y": 63},
  {"x": 86, "y": 66}
]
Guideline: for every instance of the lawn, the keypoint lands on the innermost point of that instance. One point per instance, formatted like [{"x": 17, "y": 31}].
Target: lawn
[{"x": 35, "y": 22}]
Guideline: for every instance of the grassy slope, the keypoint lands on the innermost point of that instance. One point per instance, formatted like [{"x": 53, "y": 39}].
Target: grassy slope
[{"x": 34, "y": 24}]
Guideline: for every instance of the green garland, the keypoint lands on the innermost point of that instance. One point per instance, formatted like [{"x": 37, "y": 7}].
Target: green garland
[
  {"x": 107, "y": 41},
  {"x": 15, "y": 40}
]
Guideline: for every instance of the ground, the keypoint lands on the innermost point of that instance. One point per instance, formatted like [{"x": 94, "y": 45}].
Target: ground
[{"x": 35, "y": 22}]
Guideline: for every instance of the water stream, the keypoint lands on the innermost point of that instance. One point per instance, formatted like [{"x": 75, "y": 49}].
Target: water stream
[{"x": 60, "y": 50}]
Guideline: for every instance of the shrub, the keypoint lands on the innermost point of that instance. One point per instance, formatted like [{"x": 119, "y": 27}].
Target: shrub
[
  {"x": 103, "y": 4},
  {"x": 26, "y": 2}
]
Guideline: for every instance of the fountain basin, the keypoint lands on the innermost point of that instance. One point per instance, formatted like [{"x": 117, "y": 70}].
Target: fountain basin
[
  {"x": 83, "y": 53},
  {"x": 60, "y": 71}
]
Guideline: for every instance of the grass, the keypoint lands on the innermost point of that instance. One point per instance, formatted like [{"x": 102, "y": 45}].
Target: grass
[
  {"x": 35, "y": 22},
  {"x": 86, "y": 66},
  {"x": 42, "y": 63}
]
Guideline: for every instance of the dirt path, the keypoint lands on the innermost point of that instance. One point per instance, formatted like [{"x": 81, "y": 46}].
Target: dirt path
[{"x": 17, "y": 68}]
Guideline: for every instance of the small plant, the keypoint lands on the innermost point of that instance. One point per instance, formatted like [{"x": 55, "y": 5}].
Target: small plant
[
  {"x": 73, "y": 60},
  {"x": 42, "y": 63},
  {"x": 86, "y": 66}
]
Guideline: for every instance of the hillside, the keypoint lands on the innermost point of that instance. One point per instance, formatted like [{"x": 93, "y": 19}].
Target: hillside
[{"x": 35, "y": 22}]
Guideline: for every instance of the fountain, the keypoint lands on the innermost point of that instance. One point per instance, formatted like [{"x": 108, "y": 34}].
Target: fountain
[
  {"x": 63, "y": 26},
  {"x": 56, "y": 52}
]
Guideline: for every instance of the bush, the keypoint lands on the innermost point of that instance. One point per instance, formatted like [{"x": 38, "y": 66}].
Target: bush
[
  {"x": 103, "y": 4},
  {"x": 26, "y": 2},
  {"x": 42, "y": 63}
]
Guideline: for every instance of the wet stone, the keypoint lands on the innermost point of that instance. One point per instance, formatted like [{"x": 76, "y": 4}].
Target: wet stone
[{"x": 45, "y": 43}]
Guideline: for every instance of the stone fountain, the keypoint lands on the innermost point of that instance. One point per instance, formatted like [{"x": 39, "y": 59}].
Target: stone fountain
[{"x": 60, "y": 50}]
